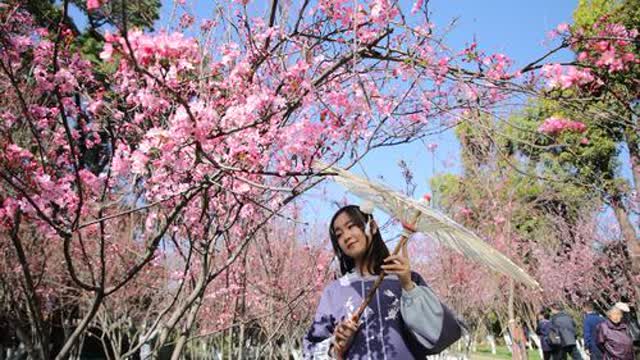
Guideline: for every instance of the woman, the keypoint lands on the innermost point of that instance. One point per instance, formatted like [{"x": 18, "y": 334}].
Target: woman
[
  {"x": 405, "y": 320},
  {"x": 613, "y": 337}
]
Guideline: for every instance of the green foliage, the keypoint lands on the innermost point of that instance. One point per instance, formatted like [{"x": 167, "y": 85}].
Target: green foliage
[
  {"x": 589, "y": 11},
  {"x": 137, "y": 13},
  {"x": 90, "y": 47},
  {"x": 581, "y": 162},
  {"x": 47, "y": 14},
  {"x": 474, "y": 140},
  {"x": 444, "y": 187},
  {"x": 626, "y": 12}
]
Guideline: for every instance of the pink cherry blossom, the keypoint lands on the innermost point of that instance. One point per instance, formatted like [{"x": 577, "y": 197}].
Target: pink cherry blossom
[
  {"x": 417, "y": 5},
  {"x": 557, "y": 125},
  {"x": 564, "y": 27},
  {"x": 564, "y": 77},
  {"x": 93, "y": 4}
]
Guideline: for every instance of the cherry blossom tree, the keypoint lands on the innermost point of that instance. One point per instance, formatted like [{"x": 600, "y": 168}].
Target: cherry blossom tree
[
  {"x": 170, "y": 154},
  {"x": 204, "y": 145}
]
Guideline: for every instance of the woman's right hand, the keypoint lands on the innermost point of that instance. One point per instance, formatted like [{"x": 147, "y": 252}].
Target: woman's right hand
[{"x": 343, "y": 337}]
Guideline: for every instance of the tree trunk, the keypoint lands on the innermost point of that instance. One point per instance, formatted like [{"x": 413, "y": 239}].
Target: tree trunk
[
  {"x": 241, "y": 342},
  {"x": 492, "y": 343},
  {"x": 38, "y": 345},
  {"x": 231, "y": 342},
  {"x": 632, "y": 244},
  {"x": 82, "y": 326},
  {"x": 514, "y": 346},
  {"x": 192, "y": 301},
  {"x": 633, "y": 144},
  {"x": 518, "y": 342},
  {"x": 182, "y": 340}
]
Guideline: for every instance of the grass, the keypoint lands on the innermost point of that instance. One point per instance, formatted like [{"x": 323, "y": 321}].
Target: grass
[{"x": 484, "y": 352}]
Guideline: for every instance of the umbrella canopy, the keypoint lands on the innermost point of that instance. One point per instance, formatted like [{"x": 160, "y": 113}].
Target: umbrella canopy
[{"x": 433, "y": 223}]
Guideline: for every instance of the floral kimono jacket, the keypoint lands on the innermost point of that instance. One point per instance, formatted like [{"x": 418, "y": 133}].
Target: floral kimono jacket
[{"x": 396, "y": 325}]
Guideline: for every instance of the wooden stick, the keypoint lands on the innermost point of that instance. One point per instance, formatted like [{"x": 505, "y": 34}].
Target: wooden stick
[{"x": 376, "y": 284}]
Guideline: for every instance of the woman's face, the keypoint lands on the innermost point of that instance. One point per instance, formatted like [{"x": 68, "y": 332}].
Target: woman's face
[
  {"x": 615, "y": 315},
  {"x": 351, "y": 239}
]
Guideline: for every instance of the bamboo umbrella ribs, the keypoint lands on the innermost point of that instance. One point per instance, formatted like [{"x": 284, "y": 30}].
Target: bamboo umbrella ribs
[{"x": 438, "y": 226}]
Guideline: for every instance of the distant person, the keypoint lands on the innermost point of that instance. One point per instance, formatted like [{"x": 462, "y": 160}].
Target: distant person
[
  {"x": 566, "y": 328},
  {"x": 589, "y": 326},
  {"x": 613, "y": 335},
  {"x": 543, "y": 328}
]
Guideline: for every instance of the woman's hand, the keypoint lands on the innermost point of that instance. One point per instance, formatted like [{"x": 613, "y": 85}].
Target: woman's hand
[
  {"x": 401, "y": 266},
  {"x": 343, "y": 337}
]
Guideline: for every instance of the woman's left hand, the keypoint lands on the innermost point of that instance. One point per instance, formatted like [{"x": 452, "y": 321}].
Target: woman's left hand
[{"x": 401, "y": 266}]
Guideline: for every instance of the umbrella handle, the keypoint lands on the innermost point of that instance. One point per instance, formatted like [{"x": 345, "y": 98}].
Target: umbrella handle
[{"x": 403, "y": 240}]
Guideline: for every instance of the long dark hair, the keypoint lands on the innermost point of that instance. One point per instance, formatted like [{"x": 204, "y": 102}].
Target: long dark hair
[{"x": 376, "y": 250}]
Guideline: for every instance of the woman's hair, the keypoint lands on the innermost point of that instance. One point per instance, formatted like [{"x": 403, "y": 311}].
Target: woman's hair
[{"x": 376, "y": 250}]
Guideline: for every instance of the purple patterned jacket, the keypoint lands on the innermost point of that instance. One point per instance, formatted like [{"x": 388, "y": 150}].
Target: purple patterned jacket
[{"x": 396, "y": 325}]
